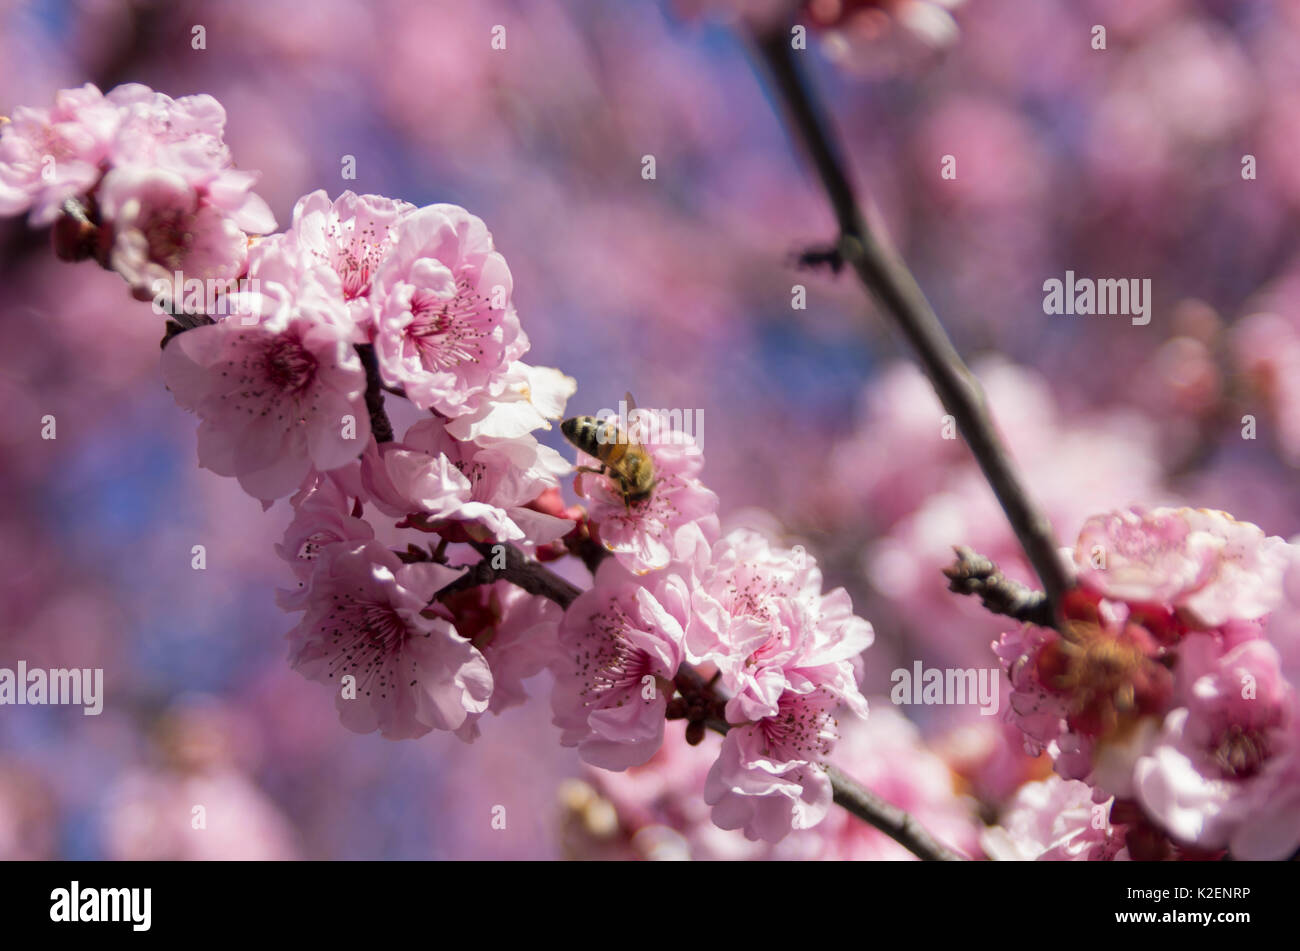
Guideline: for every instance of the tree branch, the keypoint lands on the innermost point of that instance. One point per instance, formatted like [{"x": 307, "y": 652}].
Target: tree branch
[
  {"x": 899, "y": 825},
  {"x": 974, "y": 574},
  {"x": 894, "y": 287},
  {"x": 535, "y": 578},
  {"x": 519, "y": 570},
  {"x": 379, "y": 424},
  {"x": 592, "y": 552}
]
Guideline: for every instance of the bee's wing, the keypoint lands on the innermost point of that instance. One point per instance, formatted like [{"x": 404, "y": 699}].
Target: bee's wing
[{"x": 631, "y": 408}]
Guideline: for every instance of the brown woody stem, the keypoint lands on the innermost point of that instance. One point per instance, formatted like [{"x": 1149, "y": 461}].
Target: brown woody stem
[{"x": 889, "y": 281}]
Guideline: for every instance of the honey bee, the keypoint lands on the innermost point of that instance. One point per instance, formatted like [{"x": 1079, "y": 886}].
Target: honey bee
[{"x": 623, "y": 459}]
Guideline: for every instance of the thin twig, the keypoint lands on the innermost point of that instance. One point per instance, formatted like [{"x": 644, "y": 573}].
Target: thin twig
[
  {"x": 890, "y": 282},
  {"x": 696, "y": 689},
  {"x": 972, "y": 573},
  {"x": 896, "y": 823},
  {"x": 899, "y": 825},
  {"x": 592, "y": 552},
  {"x": 535, "y": 578},
  {"x": 479, "y": 574},
  {"x": 514, "y": 567},
  {"x": 379, "y": 423}
]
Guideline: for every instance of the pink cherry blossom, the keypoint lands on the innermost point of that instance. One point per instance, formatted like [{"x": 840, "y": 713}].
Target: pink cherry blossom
[
  {"x": 486, "y": 489},
  {"x": 1206, "y": 758},
  {"x": 155, "y": 129},
  {"x": 161, "y": 227},
  {"x": 661, "y": 811},
  {"x": 1089, "y": 695},
  {"x": 770, "y": 778},
  {"x": 531, "y": 397},
  {"x": 275, "y": 398},
  {"x": 514, "y": 631},
  {"x": 184, "y": 136},
  {"x": 352, "y": 234},
  {"x": 366, "y": 618},
  {"x": 759, "y": 614},
  {"x": 1225, "y": 768},
  {"x": 882, "y": 36},
  {"x": 230, "y": 191},
  {"x": 445, "y": 328},
  {"x": 1039, "y": 713},
  {"x": 169, "y": 187},
  {"x": 649, "y": 534},
  {"x": 1056, "y": 820},
  {"x": 322, "y": 516},
  {"x": 1206, "y": 564},
  {"x": 620, "y": 646},
  {"x": 285, "y": 281},
  {"x": 50, "y": 155}
]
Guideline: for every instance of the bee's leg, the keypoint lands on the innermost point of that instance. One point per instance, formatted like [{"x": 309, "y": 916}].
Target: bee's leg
[
  {"x": 644, "y": 497},
  {"x": 600, "y": 471}
]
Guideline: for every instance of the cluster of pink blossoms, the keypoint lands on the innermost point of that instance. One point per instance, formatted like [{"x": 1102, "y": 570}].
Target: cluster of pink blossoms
[
  {"x": 153, "y": 173},
  {"x": 286, "y": 367},
  {"x": 785, "y": 654},
  {"x": 1172, "y": 688},
  {"x": 657, "y": 811}
]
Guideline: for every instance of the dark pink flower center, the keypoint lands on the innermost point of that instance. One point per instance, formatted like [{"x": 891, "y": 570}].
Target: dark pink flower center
[
  {"x": 170, "y": 238},
  {"x": 802, "y": 729},
  {"x": 289, "y": 366},
  {"x": 367, "y": 638},
  {"x": 476, "y": 472},
  {"x": 1241, "y": 751},
  {"x": 355, "y": 273},
  {"x": 608, "y": 663},
  {"x": 749, "y": 595},
  {"x": 381, "y": 626},
  {"x": 447, "y": 331},
  {"x": 311, "y": 545}
]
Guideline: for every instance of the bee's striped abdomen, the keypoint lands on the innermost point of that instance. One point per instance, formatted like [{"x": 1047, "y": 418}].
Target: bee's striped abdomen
[{"x": 595, "y": 437}]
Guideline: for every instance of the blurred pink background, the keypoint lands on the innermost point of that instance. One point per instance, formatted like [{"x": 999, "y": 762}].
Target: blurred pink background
[{"x": 1117, "y": 163}]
